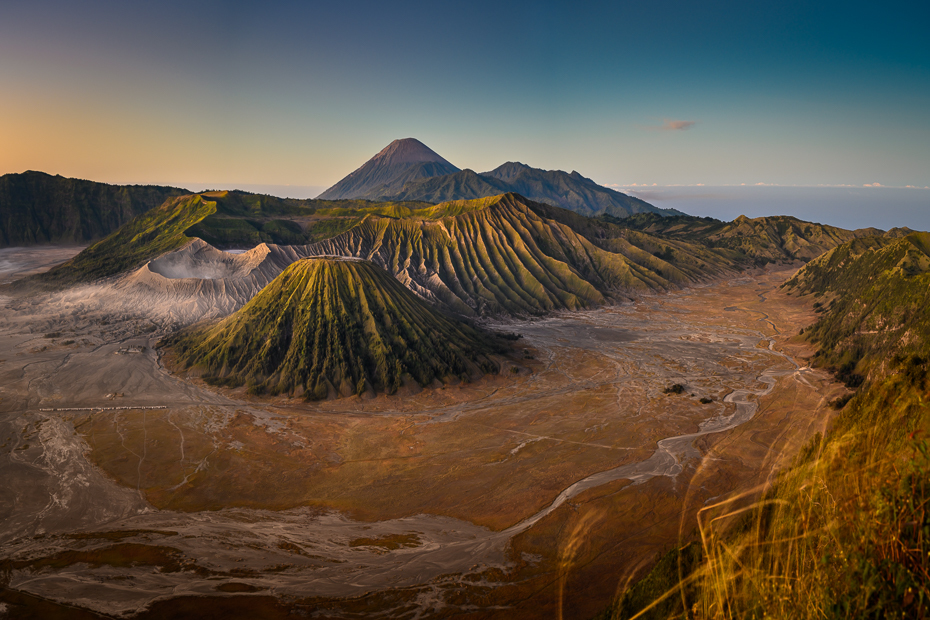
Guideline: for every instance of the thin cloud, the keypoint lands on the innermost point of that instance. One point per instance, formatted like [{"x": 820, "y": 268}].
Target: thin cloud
[
  {"x": 678, "y": 125},
  {"x": 669, "y": 124}
]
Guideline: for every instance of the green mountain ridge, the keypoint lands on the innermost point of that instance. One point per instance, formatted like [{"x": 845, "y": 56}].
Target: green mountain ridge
[
  {"x": 327, "y": 327},
  {"x": 760, "y": 240},
  {"x": 506, "y": 255},
  {"x": 873, "y": 295},
  {"x": 497, "y": 256},
  {"x": 225, "y": 219},
  {"x": 38, "y": 208},
  {"x": 151, "y": 234}
]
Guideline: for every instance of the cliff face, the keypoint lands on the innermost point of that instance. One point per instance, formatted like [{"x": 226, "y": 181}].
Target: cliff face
[{"x": 37, "y": 208}]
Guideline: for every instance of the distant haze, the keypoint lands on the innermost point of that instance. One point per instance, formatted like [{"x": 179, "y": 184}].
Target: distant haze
[{"x": 846, "y": 207}]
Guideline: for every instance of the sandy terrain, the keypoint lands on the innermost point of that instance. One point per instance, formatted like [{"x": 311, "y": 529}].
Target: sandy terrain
[
  {"x": 16, "y": 263},
  {"x": 514, "y": 496}
]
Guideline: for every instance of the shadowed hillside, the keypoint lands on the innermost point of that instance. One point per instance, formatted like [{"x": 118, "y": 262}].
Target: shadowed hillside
[
  {"x": 569, "y": 191},
  {"x": 38, "y": 208},
  {"x": 329, "y": 327}
]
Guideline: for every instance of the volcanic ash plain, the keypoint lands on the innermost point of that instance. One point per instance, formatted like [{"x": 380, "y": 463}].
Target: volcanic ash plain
[{"x": 126, "y": 489}]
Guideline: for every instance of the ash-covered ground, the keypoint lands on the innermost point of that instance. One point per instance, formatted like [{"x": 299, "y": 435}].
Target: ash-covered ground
[{"x": 124, "y": 487}]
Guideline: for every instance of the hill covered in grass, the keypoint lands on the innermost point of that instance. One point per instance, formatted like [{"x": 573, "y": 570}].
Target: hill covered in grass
[
  {"x": 328, "y": 327},
  {"x": 244, "y": 220},
  {"x": 874, "y": 294},
  {"x": 759, "y": 240},
  {"x": 225, "y": 219},
  {"x": 496, "y": 256},
  {"x": 845, "y": 531},
  {"x": 506, "y": 255},
  {"x": 501, "y": 255},
  {"x": 149, "y": 235},
  {"x": 38, "y": 208}
]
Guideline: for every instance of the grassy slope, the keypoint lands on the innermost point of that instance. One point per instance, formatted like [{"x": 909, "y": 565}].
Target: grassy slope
[
  {"x": 845, "y": 532},
  {"x": 224, "y": 219},
  {"x": 681, "y": 262},
  {"x": 39, "y": 208},
  {"x": 148, "y": 235},
  {"x": 873, "y": 292},
  {"x": 243, "y": 219},
  {"x": 327, "y": 327},
  {"x": 760, "y": 240},
  {"x": 500, "y": 255},
  {"x": 507, "y": 255}
]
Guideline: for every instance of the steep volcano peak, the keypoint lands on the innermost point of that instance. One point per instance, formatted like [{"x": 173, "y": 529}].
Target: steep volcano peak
[
  {"x": 407, "y": 151},
  {"x": 386, "y": 173}
]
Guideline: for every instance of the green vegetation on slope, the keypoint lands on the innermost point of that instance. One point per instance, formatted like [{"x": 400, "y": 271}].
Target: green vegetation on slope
[
  {"x": 844, "y": 532},
  {"x": 335, "y": 327},
  {"x": 38, "y": 208},
  {"x": 147, "y": 236},
  {"x": 244, "y": 220},
  {"x": 508, "y": 255},
  {"x": 755, "y": 241},
  {"x": 874, "y": 294},
  {"x": 498, "y": 255},
  {"x": 225, "y": 220}
]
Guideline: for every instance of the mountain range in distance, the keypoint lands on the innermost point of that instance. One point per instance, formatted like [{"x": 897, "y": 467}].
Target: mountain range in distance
[
  {"x": 37, "y": 208},
  {"x": 408, "y": 170}
]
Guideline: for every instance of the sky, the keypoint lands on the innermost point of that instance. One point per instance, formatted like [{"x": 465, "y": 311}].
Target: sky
[{"x": 295, "y": 95}]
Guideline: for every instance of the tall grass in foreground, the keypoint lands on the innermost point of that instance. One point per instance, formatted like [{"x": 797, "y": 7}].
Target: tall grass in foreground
[{"x": 843, "y": 533}]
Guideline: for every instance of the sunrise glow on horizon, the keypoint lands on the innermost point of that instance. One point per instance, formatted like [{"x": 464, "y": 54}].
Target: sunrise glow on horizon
[{"x": 234, "y": 93}]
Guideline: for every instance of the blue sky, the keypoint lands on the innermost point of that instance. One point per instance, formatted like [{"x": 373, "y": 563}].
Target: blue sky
[{"x": 271, "y": 94}]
